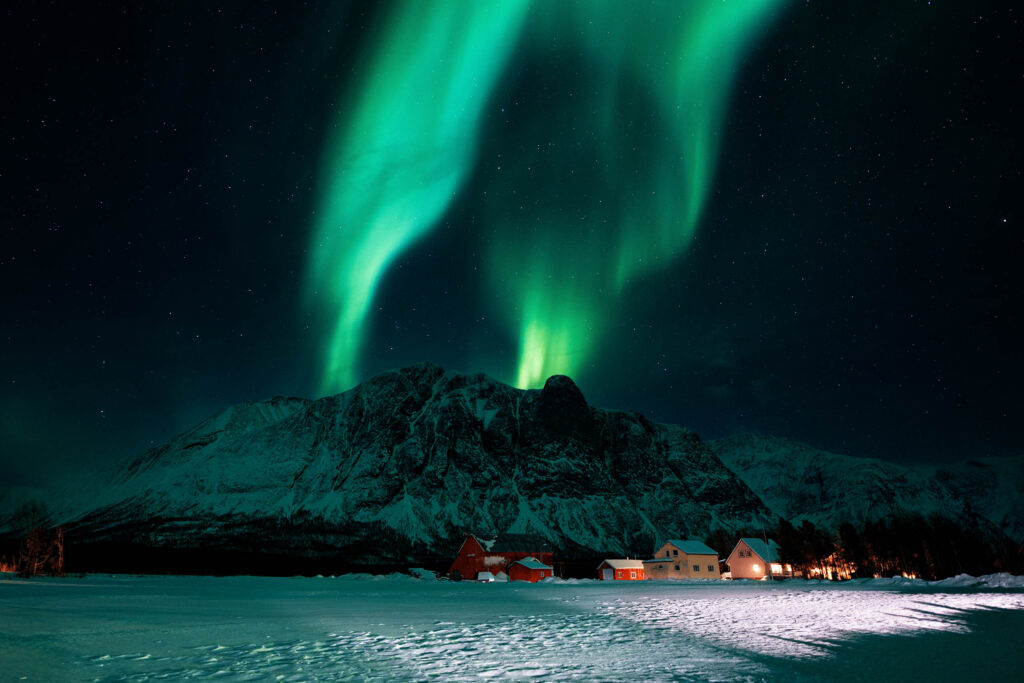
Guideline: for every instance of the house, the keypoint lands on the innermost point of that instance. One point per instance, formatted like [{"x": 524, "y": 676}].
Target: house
[
  {"x": 621, "y": 570},
  {"x": 529, "y": 569},
  {"x": 753, "y": 558},
  {"x": 480, "y": 554},
  {"x": 683, "y": 560}
]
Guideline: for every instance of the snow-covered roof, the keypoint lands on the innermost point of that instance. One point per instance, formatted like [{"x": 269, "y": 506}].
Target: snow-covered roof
[
  {"x": 532, "y": 563},
  {"x": 769, "y": 552},
  {"x": 623, "y": 564},
  {"x": 514, "y": 543},
  {"x": 693, "y": 547}
]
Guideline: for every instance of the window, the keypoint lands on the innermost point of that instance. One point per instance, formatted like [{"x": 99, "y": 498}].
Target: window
[
  {"x": 675, "y": 552},
  {"x": 632, "y": 575},
  {"x": 677, "y": 567},
  {"x": 711, "y": 567},
  {"x": 666, "y": 553},
  {"x": 696, "y": 567}
]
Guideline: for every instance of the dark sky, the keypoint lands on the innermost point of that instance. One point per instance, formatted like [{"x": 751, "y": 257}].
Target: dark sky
[{"x": 854, "y": 282}]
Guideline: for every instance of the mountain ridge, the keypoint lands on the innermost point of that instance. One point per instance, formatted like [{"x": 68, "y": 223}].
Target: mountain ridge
[
  {"x": 419, "y": 456},
  {"x": 398, "y": 468}
]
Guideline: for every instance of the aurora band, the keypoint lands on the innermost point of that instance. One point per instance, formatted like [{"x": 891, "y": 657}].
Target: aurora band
[{"x": 408, "y": 137}]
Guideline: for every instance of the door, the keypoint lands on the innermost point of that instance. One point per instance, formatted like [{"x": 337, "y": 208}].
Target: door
[{"x": 608, "y": 574}]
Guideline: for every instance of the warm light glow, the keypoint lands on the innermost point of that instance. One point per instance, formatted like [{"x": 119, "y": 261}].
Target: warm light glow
[
  {"x": 757, "y": 567},
  {"x": 776, "y": 568}
]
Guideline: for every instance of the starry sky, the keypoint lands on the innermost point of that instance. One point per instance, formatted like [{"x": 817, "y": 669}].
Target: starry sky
[{"x": 795, "y": 218}]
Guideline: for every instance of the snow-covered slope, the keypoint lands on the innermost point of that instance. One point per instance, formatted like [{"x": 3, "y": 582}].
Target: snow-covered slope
[
  {"x": 399, "y": 467},
  {"x": 799, "y": 482},
  {"x": 994, "y": 487}
]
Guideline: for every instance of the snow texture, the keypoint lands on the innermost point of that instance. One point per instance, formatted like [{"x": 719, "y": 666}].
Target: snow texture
[{"x": 366, "y": 628}]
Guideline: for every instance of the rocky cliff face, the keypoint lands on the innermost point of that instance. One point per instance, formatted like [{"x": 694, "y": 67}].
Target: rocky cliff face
[{"x": 398, "y": 468}]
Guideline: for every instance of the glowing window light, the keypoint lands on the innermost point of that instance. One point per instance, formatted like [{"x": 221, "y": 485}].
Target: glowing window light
[
  {"x": 757, "y": 567},
  {"x": 776, "y": 568}
]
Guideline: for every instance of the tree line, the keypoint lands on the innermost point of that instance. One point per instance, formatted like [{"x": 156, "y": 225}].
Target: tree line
[
  {"x": 910, "y": 545},
  {"x": 37, "y": 547}
]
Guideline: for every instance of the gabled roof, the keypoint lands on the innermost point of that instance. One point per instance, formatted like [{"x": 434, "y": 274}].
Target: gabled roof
[
  {"x": 769, "y": 552},
  {"x": 532, "y": 563},
  {"x": 693, "y": 547},
  {"x": 514, "y": 543},
  {"x": 623, "y": 564}
]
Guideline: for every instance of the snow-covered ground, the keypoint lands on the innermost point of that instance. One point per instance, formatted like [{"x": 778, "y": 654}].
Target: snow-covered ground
[{"x": 357, "y": 628}]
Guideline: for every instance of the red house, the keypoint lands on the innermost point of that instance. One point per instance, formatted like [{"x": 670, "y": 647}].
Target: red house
[
  {"x": 530, "y": 570},
  {"x": 621, "y": 570},
  {"x": 496, "y": 555}
]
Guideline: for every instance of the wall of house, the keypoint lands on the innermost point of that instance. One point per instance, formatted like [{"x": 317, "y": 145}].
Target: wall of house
[
  {"x": 518, "y": 572},
  {"x": 667, "y": 570},
  {"x": 630, "y": 574},
  {"x": 470, "y": 561},
  {"x": 752, "y": 567},
  {"x": 707, "y": 566},
  {"x": 657, "y": 570}
]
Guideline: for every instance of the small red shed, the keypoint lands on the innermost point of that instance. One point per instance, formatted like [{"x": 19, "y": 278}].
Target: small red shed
[
  {"x": 530, "y": 569},
  {"x": 621, "y": 570}
]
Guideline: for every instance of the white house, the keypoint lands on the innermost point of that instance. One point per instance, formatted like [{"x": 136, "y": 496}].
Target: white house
[{"x": 753, "y": 558}]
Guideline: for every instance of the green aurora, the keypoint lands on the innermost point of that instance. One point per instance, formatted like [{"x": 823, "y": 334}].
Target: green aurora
[{"x": 589, "y": 202}]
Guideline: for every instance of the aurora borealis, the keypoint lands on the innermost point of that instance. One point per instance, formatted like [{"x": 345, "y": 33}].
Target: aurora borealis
[
  {"x": 409, "y": 139},
  {"x": 793, "y": 218}
]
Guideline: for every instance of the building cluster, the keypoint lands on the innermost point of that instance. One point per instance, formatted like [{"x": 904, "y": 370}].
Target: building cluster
[{"x": 526, "y": 558}]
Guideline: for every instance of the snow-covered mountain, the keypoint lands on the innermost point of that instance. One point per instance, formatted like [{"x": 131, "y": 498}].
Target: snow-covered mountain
[
  {"x": 395, "y": 471},
  {"x": 399, "y": 467},
  {"x": 800, "y": 483}
]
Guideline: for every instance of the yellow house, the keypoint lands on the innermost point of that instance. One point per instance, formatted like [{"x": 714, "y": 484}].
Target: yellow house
[
  {"x": 683, "y": 560},
  {"x": 753, "y": 558}
]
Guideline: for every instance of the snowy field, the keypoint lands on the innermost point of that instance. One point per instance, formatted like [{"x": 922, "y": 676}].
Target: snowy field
[{"x": 360, "y": 628}]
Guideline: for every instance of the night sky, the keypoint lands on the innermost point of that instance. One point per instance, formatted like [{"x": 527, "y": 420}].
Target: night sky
[{"x": 795, "y": 218}]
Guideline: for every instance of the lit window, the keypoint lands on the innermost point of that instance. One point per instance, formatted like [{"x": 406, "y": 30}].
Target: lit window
[{"x": 757, "y": 567}]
